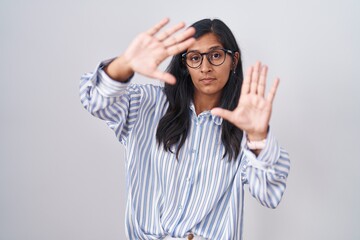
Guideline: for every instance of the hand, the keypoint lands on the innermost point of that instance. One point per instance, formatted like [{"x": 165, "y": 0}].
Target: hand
[
  {"x": 254, "y": 110},
  {"x": 150, "y": 48}
]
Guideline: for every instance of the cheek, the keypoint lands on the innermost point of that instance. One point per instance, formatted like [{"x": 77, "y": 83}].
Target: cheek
[
  {"x": 192, "y": 74},
  {"x": 229, "y": 65},
  {"x": 225, "y": 73}
]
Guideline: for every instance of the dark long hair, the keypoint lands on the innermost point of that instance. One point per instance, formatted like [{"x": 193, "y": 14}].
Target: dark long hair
[{"x": 174, "y": 126}]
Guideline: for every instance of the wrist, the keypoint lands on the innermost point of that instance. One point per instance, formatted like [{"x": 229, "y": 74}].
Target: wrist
[
  {"x": 256, "y": 136},
  {"x": 256, "y": 145},
  {"x": 119, "y": 69}
]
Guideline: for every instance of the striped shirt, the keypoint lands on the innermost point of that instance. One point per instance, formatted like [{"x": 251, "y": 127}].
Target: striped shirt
[{"x": 201, "y": 192}]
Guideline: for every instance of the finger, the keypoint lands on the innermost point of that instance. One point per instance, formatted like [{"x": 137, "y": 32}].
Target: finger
[
  {"x": 262, "y": 81},
  {"x": 272, "y": 92},
  {"x": 255, "y": 78},
  {"x": 180, "y": 47},
  {"x": 180, "y": 38},
  {"x": 245, "y": 88},
  {"x": 225, "y": 114},
  {"x": 164, "y": 76},
  {"x": 152, "y": 31},
  {"x": 169, "y": 32}
]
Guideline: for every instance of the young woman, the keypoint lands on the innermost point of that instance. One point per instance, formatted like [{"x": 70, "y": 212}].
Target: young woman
[{"x": 192, "y": 145}]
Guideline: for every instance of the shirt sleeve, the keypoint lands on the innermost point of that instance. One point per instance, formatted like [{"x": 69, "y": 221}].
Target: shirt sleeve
[
  {"x": 117, "y": 103},
  {"x": 267, "y": 173}
]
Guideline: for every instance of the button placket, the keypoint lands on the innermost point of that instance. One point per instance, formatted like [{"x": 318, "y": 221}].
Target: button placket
[
  {"x": 243, "y": 171},
  {"x": 193, "y": 151}
]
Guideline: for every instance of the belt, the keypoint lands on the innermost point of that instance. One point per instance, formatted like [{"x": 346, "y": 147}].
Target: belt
[{"x": 189, "y": 237}]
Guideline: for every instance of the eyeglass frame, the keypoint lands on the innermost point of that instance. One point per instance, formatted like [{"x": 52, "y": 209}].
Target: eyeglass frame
[{"x": 183, "y": 56}]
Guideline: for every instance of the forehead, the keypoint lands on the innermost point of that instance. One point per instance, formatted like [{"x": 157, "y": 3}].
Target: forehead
[{"x": 205, "y": 42}]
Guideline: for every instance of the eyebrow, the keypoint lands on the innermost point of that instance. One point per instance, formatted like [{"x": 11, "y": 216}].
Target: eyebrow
[{"x": 211, "y": 48}]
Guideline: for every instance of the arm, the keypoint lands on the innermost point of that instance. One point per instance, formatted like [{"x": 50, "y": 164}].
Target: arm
[
  {"x": 265, "y": 170},
  {"x": 111, "y": 100}
]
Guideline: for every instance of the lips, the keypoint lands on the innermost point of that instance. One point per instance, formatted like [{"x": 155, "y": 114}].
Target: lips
[{"x": 207, "y": 80}]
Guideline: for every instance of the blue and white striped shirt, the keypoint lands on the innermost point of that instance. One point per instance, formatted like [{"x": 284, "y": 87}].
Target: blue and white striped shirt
[{"x": 200, "y": 193}]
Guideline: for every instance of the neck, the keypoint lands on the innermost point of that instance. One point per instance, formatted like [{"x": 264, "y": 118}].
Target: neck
[{"x": 205, "y": 102}]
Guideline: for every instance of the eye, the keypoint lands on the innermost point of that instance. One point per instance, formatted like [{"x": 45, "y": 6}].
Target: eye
[
  {"x": 194, "y": 57},
  {"x": 216, "y": 55}
]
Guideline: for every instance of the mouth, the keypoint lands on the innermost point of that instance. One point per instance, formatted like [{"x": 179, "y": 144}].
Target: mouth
[{"x": 207, "y": 80}]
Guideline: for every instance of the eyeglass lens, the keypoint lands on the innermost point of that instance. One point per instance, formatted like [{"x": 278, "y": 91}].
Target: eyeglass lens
[{"x": 215, "y": 57}]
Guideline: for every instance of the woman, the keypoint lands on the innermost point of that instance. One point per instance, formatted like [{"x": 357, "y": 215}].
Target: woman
[{"x": 192, "y": 145}]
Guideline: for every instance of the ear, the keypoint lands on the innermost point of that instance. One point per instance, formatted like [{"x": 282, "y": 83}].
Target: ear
[{"x": 235, "y": 59}]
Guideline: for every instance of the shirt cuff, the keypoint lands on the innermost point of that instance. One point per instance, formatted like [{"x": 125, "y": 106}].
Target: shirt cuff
[{"x": 268, "y": 155}]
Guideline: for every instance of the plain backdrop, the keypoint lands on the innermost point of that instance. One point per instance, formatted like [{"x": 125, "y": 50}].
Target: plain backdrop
[{"x": 62, "y": 173}]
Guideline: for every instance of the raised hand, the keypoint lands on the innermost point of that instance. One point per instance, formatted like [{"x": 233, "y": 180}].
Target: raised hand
[
  {"x": 149, "y": 49},
  {"x": 254, "y": 109}
]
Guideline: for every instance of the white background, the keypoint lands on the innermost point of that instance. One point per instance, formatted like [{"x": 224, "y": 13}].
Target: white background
[{"x": 62, "y": 173}]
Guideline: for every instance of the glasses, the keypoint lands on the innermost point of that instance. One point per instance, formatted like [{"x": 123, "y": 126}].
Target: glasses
[{"x": 216, "y": 57}]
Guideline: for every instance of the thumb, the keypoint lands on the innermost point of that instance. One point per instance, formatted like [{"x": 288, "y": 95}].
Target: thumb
[
  {"x": 164, "y": 76},
  {"x": 225, "y": 114}
]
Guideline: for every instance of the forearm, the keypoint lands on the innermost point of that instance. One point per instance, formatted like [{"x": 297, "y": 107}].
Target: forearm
[
  {"x": 98, "y": 91},
  {"x": 267, "y": 173}
]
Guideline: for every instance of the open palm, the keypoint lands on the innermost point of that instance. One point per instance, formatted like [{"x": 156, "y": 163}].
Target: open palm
[
  {"x": 150, "y": 48},
  {"x": 253, "y": 111}
]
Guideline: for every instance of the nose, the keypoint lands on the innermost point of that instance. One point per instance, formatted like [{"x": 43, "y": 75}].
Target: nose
[{"x": 205, "y": 66}]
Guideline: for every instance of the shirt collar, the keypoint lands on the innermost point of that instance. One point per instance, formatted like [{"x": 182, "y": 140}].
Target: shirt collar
[{"x": 216, "y": 119}]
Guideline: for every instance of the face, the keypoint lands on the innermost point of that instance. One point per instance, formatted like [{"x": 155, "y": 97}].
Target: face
[{"x": 209, "y": 80}]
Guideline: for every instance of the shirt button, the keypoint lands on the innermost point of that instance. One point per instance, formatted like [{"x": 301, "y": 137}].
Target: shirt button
[
  {"x": 180, "y": 207},
  {"x": 191, "y": 236}
]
